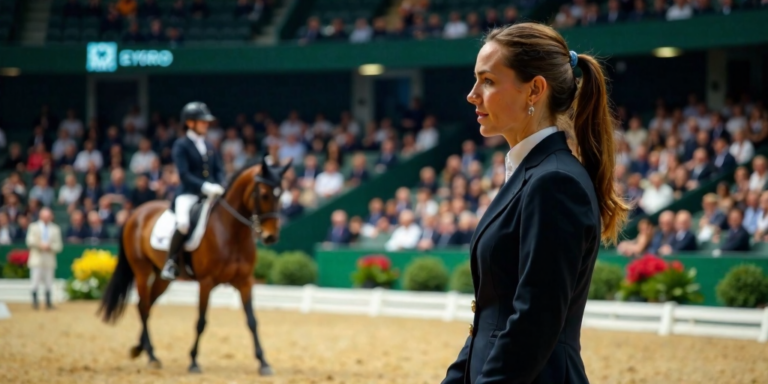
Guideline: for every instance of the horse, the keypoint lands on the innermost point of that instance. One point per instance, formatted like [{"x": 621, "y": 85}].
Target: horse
[{"x": 226, "y": 254}]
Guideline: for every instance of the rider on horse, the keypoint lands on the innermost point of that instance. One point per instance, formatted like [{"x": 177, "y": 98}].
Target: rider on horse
[{"x": 201, "y": 173}]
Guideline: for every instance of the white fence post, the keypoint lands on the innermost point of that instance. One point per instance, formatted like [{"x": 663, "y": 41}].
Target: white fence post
[
  {"x": 667, "y": 318},
  {"x": 306, "y": 298},
  {"x": 764, "y": 327},
  {"x": 451, "y": 302},
  {"x": 377, "y": 297}
]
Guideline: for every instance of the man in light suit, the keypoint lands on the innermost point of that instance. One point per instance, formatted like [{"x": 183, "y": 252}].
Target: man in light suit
[{"x": 44, "y": 242}]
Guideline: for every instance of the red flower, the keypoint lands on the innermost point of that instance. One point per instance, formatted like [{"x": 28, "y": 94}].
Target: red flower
[
  {"x": 18, "y": 257},
  {"x": 644, "y": 268},
  {"x": 375, "y": 260},
  {"x": 677, "y": 266}
]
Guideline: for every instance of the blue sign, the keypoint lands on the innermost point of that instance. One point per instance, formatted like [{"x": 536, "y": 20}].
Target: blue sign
[
  {"x": 101, "y": 57},
  {"x": 104, "y": 57}
]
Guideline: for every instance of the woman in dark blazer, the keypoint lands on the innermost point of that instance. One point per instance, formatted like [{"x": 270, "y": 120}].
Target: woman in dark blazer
[{"x": 534, "y": 249}]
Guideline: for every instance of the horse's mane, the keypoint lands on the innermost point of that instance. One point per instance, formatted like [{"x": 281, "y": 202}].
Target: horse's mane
[{"x": 236, "y": 175}]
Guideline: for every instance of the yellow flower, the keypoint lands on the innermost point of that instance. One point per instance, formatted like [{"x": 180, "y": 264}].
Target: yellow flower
[{"x": 94, "y": 263}]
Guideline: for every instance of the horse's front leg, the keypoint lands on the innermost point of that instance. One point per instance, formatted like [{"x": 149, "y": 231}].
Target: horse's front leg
[
  {"x": 206, "y": 286},
  {"x": 245, "y": 293}
]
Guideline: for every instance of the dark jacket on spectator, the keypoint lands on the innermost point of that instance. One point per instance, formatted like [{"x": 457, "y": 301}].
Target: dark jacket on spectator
[
  {"x": 293, "y": 210},
  {"x": 339, "y": 235},
  {"x": 686, "y": 243},
  {"x": 98, "y": 233},
  {"x": 705, "y": 173},
  {"x": 66, "y": 161},
  {"x": 140, "y": 197},
  {"x": 94, "y": 194},
  {"x": 689, "y": 147},
  {"x": 725, "y": 163},
  {"x": 12, "y": 164},
  {"x": 447, "y": 239},
  {"x": 660, "y": 239},
  {"x": 719, "y": 131},
  {"x": 78, "y": 233},
  {"x": 387, "y": 161},
  {"x": 358, "y": 176},
  {"x": 737, "y": 240}
]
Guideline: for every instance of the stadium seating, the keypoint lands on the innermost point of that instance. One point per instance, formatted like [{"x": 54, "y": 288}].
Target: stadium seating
[{"x": 7, "y": 11}]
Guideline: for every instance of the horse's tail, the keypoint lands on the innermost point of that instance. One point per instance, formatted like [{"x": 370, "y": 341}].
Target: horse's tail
[{"x": 114, "y": 298}]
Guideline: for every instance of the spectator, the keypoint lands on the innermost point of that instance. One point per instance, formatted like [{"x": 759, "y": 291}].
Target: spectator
[
  {"x": 105, "y": 211},
  {"x": 87, "y": 157},
  {"x": 292, "y": 125},
  {"x": 156, "y": 34},
  {"x": 12, "y": 207},
  {"x": 740, "y": 185},
  {"x": 455, "y": 28},
  {"x": 657, "y": 195},
  {"x": 666, "y": 233},
  {"x": 406, "y": 235},
  {"x": 362, "y": 32},
  {"x": 311, "y": 32},
  {"x": 7, "y": 231},
  {"x": 638, "y": 246},
  {"x": 387, "y": 157},
  {"x": 510, "y": 15},
  {"x": 447, "y": 235},
  {"x": 701, "y": 169},
  {"x": 724, "y": 161},
  {"x": 178, "y": 11},
  {"x": 135, "y": 119},
  {"x": 752, "y": 212},
  {"x": 702, "y": 7},
  {"x": 737, "y": 236},
  {"x": 379, "y": 29},
  {"x": 44, "y": 243},
  {"x": 359, "y": 173},
  {"x": 71, "y": 9},
  {"x": 127, "y": 8},
  {"x": 141, "y": 193},
  {"x": 149, "y": 10},
  {"x": 742, "y": 149},
  {"x": 684, "y": 239},
  {"x": 339, "y": 233},
  {"x": 77, "y": 231},
  {"x": 292, "y": 148},
  {"x": 375, "y": 211},
  {"x": 133, "y": 35},
  {"x": 428, "y": 234},
  {"x": 14, "y": 160},
  {"x": 199, "y": 9},
  {"x": 757, "y": 182},
  {"x": 330, "y": 182},
  {"x": 466, "y": 227},
  {"x": 294, "y": 208},
  {"x": 67, "y": 161},
  {"x": 761, "y": 235},
  {"x": 72, "y": 124},
  {"x": 639, "y": 12},
  {"x": 737, "y": 121},
  {"x": 141, "y": 162},
  {"x": 117, "y": 191},
  {"x": 70, "y": 192},
  {"x": 175, "y": 37},
  {"x": 97, "y": 232},
  {"x": 61, "y": 144},
  {"x": 680, "y": 10},
  {"x": 42, "y": 191},
  {"x": 425, "y": 205},
  {"x": 428, "y": 136},
  {"x": 36, "y": 159},
  {"x": 614, "y": 15},
  {"x": 131, "y": 137}
]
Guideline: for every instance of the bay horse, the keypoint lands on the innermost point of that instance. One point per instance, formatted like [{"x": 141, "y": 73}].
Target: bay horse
[{"x": 226, "y": 254}]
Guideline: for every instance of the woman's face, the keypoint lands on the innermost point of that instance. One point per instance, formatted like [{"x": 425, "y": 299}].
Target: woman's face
[{"x": 500, "y": 99}]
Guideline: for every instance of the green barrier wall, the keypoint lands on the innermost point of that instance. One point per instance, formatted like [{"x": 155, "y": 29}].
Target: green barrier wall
[
  {"x": 337, "y": 265},
  {"x": 627, "y": 39}
]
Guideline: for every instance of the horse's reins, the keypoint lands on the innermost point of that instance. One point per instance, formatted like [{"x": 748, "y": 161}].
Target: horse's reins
[{"x": 255, "y": 221}]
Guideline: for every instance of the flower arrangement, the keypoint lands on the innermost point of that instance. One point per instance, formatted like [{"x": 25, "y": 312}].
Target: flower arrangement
[
  {"x": 652, "y": 279},
  {"x": 16, "y": 266},
  {"x": 374, "y": 271},
  {"x": 92, "y": 272}
]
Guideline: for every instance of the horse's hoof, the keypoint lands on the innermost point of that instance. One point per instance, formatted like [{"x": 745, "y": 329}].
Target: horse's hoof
[
  {"x": 194, "y": 368},
  {"x": 136, "y": 351},
  {"x": 266, "y": 371},
  {"x": 155, "y": 364}
]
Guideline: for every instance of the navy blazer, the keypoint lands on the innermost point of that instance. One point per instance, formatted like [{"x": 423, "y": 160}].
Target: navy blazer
[
  {"x": 532, "y": 258},
  {"x": 737, "y": 240},
  {"x": 687, "y": 243},
  {"x": 195, "y": 169}
]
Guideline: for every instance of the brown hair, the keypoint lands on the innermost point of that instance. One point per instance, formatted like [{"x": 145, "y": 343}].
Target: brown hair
[{"x": 538, "y": 50}]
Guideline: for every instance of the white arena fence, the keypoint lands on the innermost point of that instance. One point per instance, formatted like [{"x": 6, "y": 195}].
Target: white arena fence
[{"x": 660, "y": 318}]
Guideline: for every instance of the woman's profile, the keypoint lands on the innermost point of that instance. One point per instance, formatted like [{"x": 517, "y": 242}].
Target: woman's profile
[{"x": 534, "y": 249}]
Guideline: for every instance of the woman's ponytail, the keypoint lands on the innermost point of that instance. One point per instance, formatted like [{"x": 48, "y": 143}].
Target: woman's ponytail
[{"x": 593, "y": 127}]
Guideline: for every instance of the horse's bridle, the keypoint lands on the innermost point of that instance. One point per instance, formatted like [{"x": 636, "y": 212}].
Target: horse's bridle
[{"x": 256, "y": 217}]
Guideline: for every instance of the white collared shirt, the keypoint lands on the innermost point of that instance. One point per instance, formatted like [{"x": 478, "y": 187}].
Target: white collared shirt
[
  {"x": 198, "y": 140},
  {"x": 517, "y": 153}
]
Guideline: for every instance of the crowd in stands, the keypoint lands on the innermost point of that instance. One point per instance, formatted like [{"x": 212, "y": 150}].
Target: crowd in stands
[
  {"x": 658, "y": 161},
  {"x": 150, "y": 21},
  {"x": 419, "y": 20},
  {"x": 134, "y": 158},
  {"x": 581, "y": 13}
]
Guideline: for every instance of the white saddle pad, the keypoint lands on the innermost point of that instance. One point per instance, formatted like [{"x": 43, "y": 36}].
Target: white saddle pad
[{"x": 160, "y": 239}]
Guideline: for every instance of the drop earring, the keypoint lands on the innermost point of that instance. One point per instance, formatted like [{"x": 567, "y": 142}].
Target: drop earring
[{"x": 530, "y": 110}]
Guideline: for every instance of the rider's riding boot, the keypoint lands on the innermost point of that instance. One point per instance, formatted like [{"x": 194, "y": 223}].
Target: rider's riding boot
[{"x": 171, "y": 268}]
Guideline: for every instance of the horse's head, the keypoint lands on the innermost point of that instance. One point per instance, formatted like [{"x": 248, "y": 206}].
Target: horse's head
[{"x": 266, "y": 199}]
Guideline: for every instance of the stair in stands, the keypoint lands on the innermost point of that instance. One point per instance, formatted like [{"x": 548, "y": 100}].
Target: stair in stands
[
  {"x": 269, "y": 34},
  {"x": 35, "y": 21}
]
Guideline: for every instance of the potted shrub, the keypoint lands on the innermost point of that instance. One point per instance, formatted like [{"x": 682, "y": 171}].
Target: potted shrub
[
  {"x": 744, "y": 285},
  {"x": 606, "y": 280},
  {"x": 91, "y": 273},
  {"x": 265, "y": 260},
  {"x": 374, "y": 271},
  {"x": 293, "y": 268},
  {"x": 461, "y": 278},
  {"x": 426, "y": 273},
  {"x": 16, "y": 264}
]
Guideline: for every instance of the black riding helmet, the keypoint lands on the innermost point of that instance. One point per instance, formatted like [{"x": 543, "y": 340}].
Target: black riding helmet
[{"x": 196, "y": 111}]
